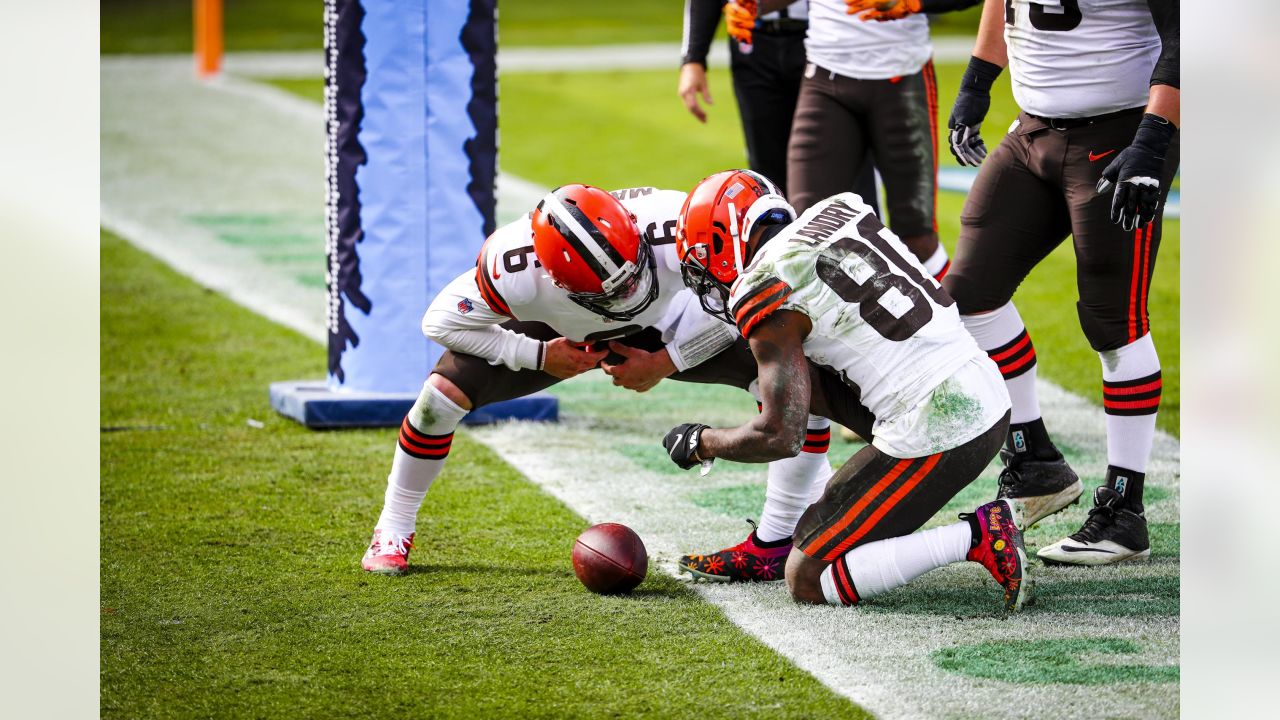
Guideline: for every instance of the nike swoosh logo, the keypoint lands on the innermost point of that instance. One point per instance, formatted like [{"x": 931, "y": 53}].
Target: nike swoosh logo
[
  {"x": 495, "y": 269},
  {"x": 1096, "y": 158},
  {"x": 1068, "y": 548}
]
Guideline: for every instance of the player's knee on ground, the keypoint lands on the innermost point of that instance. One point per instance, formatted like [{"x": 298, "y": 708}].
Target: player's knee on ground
[
  {"x": 804, "y": 578},
  {"x": 449, "y": 390}
]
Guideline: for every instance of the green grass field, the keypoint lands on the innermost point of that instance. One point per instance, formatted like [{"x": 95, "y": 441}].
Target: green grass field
[
  {"x": 230, "y": 581},
  {"x": 156, "y": 26},
  {"x": 230, "y": 537}
]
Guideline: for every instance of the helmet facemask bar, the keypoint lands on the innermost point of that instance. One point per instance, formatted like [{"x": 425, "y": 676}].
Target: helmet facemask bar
[
  {"x": 709, "y": 290},
  {"x": 640, "y": 287}
]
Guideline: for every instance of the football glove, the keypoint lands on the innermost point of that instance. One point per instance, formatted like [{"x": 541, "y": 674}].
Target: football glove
[
  {"x": 970, "y": 110},
  {"x": 882, "y": 10},
  {"x": 740, "y": 19},
  {"x": 681, "y": 444},
  {"x": 1135, "y": 173}
]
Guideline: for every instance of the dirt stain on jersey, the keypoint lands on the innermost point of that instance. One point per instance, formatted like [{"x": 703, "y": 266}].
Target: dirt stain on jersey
[{"x": 952, "y": 411}]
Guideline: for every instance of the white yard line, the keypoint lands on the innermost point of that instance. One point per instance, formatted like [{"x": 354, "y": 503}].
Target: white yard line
[{"x": 174, "y": 149}]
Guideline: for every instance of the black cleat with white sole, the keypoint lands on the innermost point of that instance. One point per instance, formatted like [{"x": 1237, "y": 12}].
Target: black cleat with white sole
[
  {"x": 1043, "y": 487},
  {"x": 1113, "y": 533}
]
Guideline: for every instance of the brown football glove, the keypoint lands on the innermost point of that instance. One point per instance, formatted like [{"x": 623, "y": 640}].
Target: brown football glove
[
  {"x": 882, "y": 10},
  {"x": 740, "y": 18}
]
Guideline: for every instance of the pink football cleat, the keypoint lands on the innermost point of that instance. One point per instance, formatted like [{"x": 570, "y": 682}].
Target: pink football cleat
[{"x": 388, "y": 553}]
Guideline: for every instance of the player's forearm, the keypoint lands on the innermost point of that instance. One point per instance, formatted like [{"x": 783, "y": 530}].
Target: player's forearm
[
  {"x": 497, "y": 345},
  {"x": 1167, "y": 18},
  {"x": 990, "y": 45},
  {"x": 696, "y": 338},
  {"x": 759, "y": 441},
  {"x": 1165, "y": 101},
  {"x": 701, "y": 17},
  {"x": 778, "y": 431}
]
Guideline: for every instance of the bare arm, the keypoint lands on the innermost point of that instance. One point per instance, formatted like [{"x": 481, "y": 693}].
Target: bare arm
[
  {"x": 778, "y": 431},
  {"x": 990, "y": 45},
  {"x": 1165, "y": 101}
]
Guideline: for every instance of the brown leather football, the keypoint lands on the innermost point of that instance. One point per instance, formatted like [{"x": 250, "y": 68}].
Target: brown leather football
[{"x": 610, "y": 558}]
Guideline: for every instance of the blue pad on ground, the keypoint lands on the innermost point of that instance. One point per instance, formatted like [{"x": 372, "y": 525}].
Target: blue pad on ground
[{"x": 313, "y": 404}]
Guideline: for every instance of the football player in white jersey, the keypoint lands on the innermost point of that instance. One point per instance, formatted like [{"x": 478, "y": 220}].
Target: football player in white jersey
[
  {"x": 839, "y": 290},
  {"x": 869, "y": 90},
  {"x": 1092, "y": 155},
  {"x": 587, "y": 279}
]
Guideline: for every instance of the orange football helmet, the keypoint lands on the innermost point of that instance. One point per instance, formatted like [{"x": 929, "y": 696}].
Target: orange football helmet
[
  {"x": 591, "y": 247},
  {"x": 714, "y": 226}
]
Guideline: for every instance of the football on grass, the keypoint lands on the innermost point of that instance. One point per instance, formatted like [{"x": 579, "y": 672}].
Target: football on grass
[{"x": 610, "y": 558}]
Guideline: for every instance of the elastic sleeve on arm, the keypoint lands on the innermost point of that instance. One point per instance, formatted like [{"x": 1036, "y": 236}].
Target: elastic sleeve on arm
[
  {"x": 933, "y": 7},
  {"x": 476, "y": 332},
  {"x": 1166, "y": 15},
  {"x": 700, "y": 20},
  {"x": 696, "y": 337}
]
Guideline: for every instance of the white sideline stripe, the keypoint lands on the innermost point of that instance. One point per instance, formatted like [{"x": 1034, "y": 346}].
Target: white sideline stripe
[
  {"x": 592, "y": 58},
  {"x": 173, "y": 147}
]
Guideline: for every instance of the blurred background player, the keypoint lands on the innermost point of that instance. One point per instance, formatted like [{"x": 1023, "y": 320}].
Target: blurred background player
[
  {"x": 869, "y": 90},
  {"x": 1092, "y": 155},
  {"x": 588, "y": 279},
  {"x": 766, "y": 68},
  {"x": 835, "y": 287}
]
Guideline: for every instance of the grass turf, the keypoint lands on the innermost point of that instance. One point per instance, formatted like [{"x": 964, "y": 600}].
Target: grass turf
[
  {"x": 159, "y": 26},
  {"x": 638, "y": 133},
  {"x": 230, "y": 583}
]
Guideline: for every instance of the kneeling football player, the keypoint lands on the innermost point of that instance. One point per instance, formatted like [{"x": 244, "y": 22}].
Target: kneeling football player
[
  {"x": 588, "y": 279},
  {"x": 838, "y": 289}
]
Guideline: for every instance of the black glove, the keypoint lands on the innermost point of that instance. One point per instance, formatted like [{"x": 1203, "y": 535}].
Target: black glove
[
  {"x": 970, "y": 109},
  {"x": 1136, "y": 172},
  {"x": 682, "y": 444}
]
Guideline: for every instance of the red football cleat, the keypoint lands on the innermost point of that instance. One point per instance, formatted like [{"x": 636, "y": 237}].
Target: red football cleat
[
  {"x": 744, "y": 562},
  {"x": 388, "y": 553},
  {"x": 998, "y": 547}
]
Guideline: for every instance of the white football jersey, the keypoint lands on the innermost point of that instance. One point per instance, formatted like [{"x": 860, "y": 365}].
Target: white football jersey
[
  {"x": 847, "y": 46},
  {"x": 508, "y": 282},
  {"x": 881, "y": 322},
  {"x": 1080, "y": 58}
]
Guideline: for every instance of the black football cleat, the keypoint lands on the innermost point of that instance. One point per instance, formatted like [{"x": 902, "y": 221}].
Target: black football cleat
[
  {"x": 744, "y": 562},
  {"x": 1042, "y": 487},
  {"x": 1113, "y": 533}
]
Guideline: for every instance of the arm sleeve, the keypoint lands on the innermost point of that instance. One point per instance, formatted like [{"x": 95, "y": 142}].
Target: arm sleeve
[
  {"x": 695, "y": 337},
  {"x": 700, "y": 20},
  {"x": 933, "y": 7},
  {"x": 460, "y": 320},
  {"x": 1166, "y": 13}
]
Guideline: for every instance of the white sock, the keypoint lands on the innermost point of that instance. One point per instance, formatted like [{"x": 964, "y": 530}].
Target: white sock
[
  {"x": 794, "y": 481},
  {"x": 425, "y": 438},
  {"x": 878, "y": 567},
  {"x": 1131, "y": 387},
  {"x": 1004, "y": 337},
  {"x": 938, "y": 263}
]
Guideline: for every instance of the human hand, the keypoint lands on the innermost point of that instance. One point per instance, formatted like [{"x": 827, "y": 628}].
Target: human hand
[
  {"x": 693, "y": 82},
  {"x": 564, "y": 359},
  {"x": 641, "y": 370}
]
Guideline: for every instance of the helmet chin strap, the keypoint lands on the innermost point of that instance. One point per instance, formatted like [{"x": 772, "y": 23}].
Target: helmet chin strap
[{"x": 737, "y": 240}]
